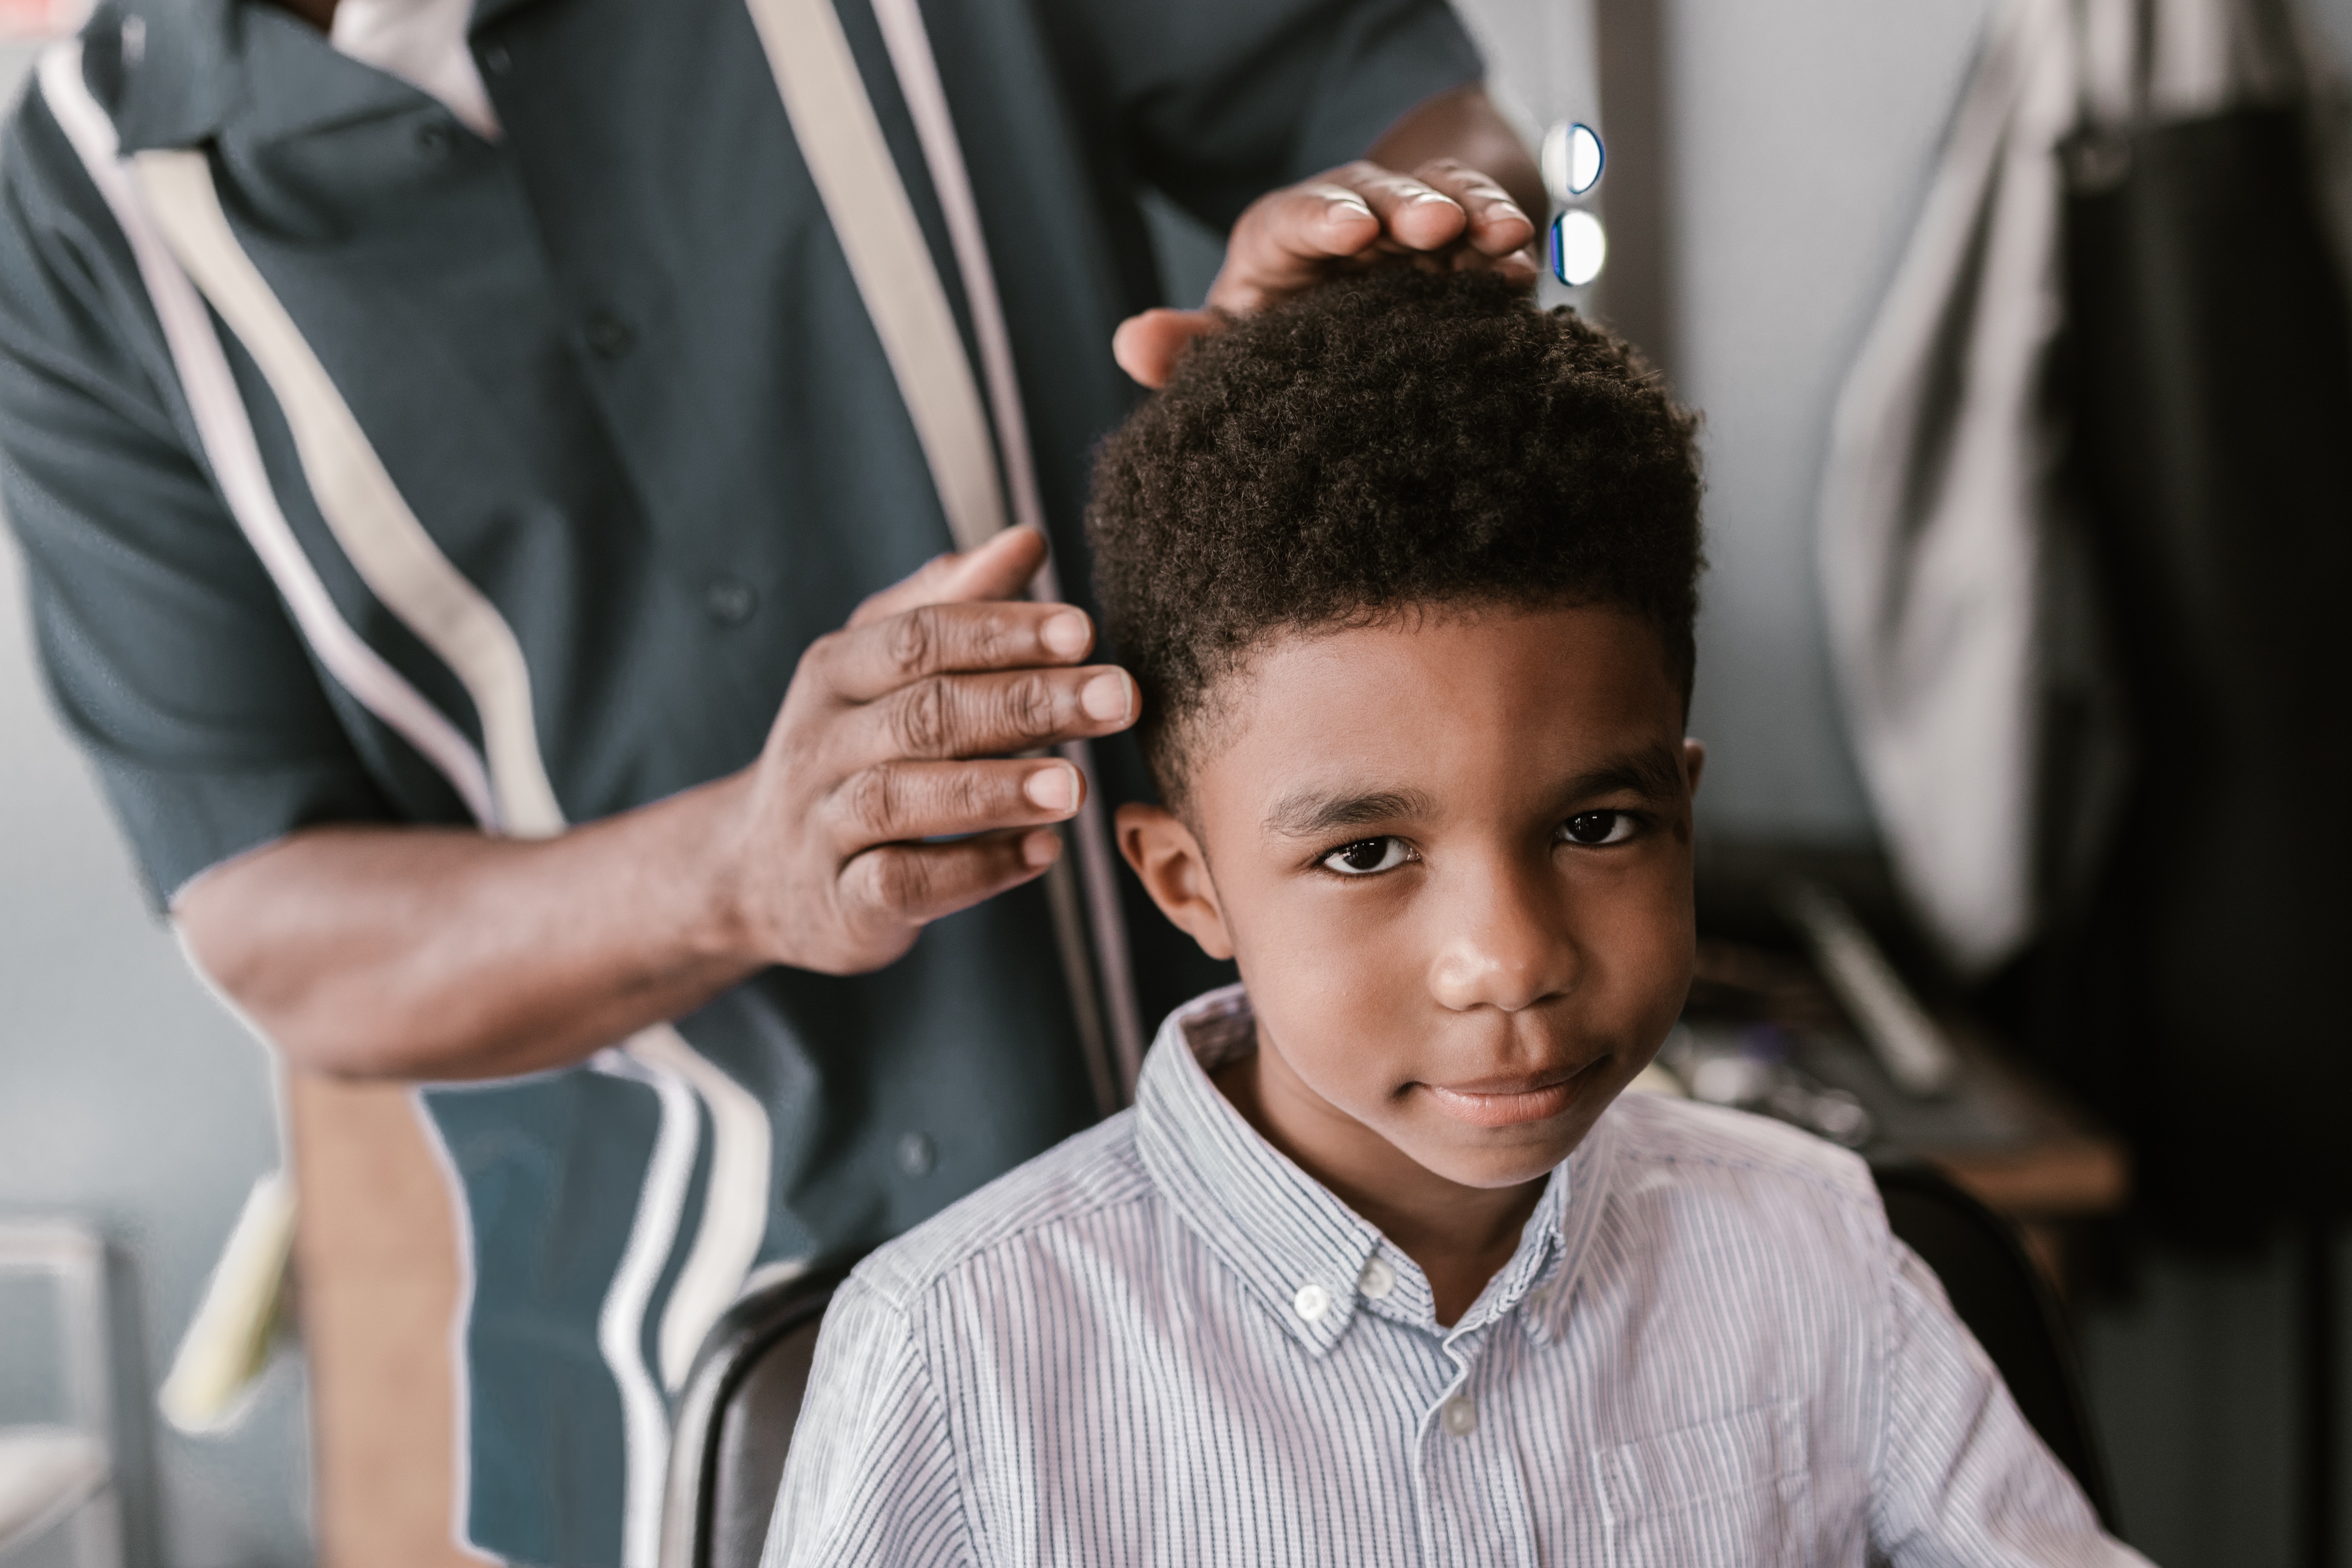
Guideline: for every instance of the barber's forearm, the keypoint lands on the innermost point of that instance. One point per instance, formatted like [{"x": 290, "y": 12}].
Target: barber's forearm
[
  {"x": 1464, "y": 124},
  {"x": 406, "y": 953}
]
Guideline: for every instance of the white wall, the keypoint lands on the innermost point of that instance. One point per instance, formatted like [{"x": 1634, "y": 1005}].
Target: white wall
[{"x": 1800, "y": 136}]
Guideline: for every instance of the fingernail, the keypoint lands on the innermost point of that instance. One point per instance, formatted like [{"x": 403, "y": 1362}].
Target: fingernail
[
  {"x": 1052, "y": 789},
  {"x": 1434, "y": 196},
  {"x": 1349, "y": 207},
  {"x": 1066, "y": 635},
  {"x": 1042, "y": 847},
  {"x": 1105, "y": 697}
]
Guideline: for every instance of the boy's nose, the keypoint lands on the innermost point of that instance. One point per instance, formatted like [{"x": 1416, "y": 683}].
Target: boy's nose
[{"x": 1504, "y": 944}]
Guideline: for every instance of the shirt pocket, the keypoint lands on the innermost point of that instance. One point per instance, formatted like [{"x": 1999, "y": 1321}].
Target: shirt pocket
[{"x": 1734, "y": 1493}]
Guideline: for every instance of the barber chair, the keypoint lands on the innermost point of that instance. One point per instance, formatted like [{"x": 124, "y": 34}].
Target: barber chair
[
  {"x": 59, "y": 1478},
  {"x": 735, "y": 1418},
  {"x": 2007, "y": 1303},
  {"x": 734, "y": 1422}
]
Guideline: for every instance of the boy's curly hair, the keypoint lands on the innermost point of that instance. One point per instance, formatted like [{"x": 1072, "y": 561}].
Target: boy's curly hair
[{"x": 1395, "y": 440}]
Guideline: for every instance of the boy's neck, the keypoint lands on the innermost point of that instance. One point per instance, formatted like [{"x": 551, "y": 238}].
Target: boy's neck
[{"x": 1460, "y": 1237}]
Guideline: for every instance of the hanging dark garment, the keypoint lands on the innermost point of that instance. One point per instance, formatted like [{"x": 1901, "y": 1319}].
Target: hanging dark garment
[{"x": 2198, "y": 993}]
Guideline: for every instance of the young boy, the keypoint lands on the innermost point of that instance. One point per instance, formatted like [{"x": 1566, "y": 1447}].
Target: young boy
[{"x": 1380, "y": 1269}]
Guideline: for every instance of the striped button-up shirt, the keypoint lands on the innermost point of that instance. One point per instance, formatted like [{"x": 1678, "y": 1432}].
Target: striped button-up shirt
[{"x": 1164, "y": 1342}]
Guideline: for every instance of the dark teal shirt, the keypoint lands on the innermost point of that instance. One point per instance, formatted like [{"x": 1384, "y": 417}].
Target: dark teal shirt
[{"x": 617, "y": 366}]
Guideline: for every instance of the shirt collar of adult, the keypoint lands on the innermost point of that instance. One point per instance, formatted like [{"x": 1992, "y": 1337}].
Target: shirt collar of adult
[
  {"x": 1295, "y": 1244},
  {"x": 176, "y": 73}
]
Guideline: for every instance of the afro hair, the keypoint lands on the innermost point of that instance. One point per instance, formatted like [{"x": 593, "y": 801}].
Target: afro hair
[{"x": 1396, "y": 440}]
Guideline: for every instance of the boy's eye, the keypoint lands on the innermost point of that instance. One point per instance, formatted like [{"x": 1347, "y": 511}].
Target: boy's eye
[
  {"x": 1365, "y": 857},
  {"x": 1590, "y": 828}
]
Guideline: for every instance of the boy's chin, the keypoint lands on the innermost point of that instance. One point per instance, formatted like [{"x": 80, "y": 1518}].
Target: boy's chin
[{"x": 1495, "y": 1160}]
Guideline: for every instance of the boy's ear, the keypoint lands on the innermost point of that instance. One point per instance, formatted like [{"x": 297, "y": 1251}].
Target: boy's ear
[
  {"x": 1175, "y": 873},
  {"x": 1694, "y": 762}
]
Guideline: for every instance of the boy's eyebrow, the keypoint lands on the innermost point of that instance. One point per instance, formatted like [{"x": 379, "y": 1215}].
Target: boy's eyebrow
[
  {"x": 1311, "y": 814},
  {"x": 1652, "y": 774}
]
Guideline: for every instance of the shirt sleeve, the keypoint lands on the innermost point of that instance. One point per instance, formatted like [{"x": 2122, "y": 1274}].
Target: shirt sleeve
[
  {"x": 168, "y": 654},
  {"x": 1223, "y": 99},
  {"x": 871, "y": 1477},
  {"x": 1961, "y": 1478}
]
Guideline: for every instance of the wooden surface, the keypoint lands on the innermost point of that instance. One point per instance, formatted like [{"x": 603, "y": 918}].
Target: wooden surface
[
  {"x": 2066, "y": 1168},
  {"x": 2049, "y": 1162},
  {"x": 376, "y": 1272}
]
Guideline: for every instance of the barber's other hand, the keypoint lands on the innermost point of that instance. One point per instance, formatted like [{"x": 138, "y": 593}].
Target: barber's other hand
[
  {"x": 873, "y": 754},
  {"x": 1444, "y": 215}
]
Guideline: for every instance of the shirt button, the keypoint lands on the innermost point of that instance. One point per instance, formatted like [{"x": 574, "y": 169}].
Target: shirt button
[
  {"x": 917, "y": 1156},
  {"x": 1459, "y": 1415},
  {"x": 1377, "y": 1280},
  {"x": 608, "y": 335},
  {"x": 1311, "y": 1302},
  {"x": 433, "y": 139},
  {"x": 496, "y": 60},
  {"x": 729, "y": 602}
]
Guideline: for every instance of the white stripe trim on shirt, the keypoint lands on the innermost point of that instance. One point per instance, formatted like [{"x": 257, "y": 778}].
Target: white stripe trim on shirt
[
  {"x": 401, "y": 564},
  {"x": 620, "y": 1324},
  {"x": 917, "y": 69},
  {"x": 225, "y": 431},
  {"x": 366, "y": 511}
]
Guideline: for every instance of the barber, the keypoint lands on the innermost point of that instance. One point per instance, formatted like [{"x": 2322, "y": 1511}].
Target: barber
[{"x": 568, "y": 285}]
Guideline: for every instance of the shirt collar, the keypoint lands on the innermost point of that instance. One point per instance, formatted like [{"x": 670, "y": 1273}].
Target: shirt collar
[
  {"x": 1297, "y": 1247},
  {"x": 176, "y": 73},
  {"x": 171, "y": 72}
]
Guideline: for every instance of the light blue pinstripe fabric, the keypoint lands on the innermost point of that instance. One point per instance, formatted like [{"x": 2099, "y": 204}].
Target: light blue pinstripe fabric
[{"x": 1706, "y": 1350}]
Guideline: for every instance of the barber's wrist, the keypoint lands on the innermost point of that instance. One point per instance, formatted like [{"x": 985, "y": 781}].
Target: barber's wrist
[{"x": 720, "y": 864}]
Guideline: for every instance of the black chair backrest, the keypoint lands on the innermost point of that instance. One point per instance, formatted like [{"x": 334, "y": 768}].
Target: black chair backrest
[
  {"x": 734, "y": 1422},
  {"x": 735, "y": 1418},
  {"x": 2007, "y": 1303}
]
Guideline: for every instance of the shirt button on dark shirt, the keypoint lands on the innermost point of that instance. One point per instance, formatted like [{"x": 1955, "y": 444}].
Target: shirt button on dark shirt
[
  {"x": 917, "y": 1156},
  {"x": 435, "y": 139},
  {"x": 496, "y": 60},
  {"x": 608, "y": 335},
  {"x": 729, "y": 602}
]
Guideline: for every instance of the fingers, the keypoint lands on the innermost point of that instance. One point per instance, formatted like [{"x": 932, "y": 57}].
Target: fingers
[
  {"x": 868, "y": 662},
  {"x": 1146, "y": 346},
  {"x": 952, "y": 716},
  {"x": 1445, "y": 214},
  {"x": 899, "y": 801},
  {"x": 1497, "y": 227},
  {"x": 1289, "y": 240},
  {"x": 1414, "y": 214},
  {"x": 999, "y": 569},
  {"x": 905, "y": 885}
]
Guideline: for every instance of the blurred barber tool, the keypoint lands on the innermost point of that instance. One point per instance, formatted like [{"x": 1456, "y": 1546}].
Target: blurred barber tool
[
  {"x": 1906, "y": 1041},
  {"x": 237, "y": 1328},
  {"x": 1572, "y": 159}
]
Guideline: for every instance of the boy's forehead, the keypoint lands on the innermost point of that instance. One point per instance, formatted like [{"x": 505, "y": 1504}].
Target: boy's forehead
[{"x": 1417, "y": 707}]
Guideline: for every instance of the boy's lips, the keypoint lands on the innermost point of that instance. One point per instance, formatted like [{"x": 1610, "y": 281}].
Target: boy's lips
[{"x": 1510, "y": 1101}]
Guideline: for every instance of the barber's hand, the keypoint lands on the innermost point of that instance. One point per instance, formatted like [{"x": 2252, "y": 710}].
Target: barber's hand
[
  {"x": 872, "y": 754},
  {"x": 1444, "y": 215}
]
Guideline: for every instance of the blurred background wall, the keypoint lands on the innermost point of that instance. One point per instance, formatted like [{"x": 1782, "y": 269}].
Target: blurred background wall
[{"x": 1795, "y": 139}]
